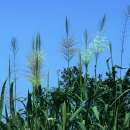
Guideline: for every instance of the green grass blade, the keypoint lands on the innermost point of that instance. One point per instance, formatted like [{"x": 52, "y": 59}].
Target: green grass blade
[
  {"x": 102, "y": 128},
  {"x": 11, "y": 98},
  {"x": 85, "y": 92},
  {"x": 110, "y": 46},
  {"x": 115, "y": 120},
  {"x": 64, "y": 115},
  {"x": 108, "y": 65},
  {"x": 29, "y": 111},
  {"x": 6, "y": 113},
  {"x": 116, "y": 115},
  {"x": 82, "y": 126},
  {"x": 96, "y": 112},
  {"x": 59, "y": 126},
  {"x": 126, "y": 121},
  {"x": 75, "y": 114},
  {"x": 2, "y": 99},
  {"x": 14, "y": 120},
  {"x": 120, "y": 96}
]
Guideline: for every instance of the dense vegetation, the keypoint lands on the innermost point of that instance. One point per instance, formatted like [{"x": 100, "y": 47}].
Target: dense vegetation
[{"x": 80, "y": 102}]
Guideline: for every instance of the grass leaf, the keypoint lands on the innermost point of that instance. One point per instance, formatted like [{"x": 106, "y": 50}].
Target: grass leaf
[
  {"x": 96, "y": 112},
  {"x": 82, "y": 126}
]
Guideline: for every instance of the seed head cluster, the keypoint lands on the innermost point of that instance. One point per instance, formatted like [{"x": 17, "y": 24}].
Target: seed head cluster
[{"x": 96, "y": 47}]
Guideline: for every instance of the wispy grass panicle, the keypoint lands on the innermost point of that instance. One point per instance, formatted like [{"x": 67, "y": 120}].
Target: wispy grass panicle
[
  {"x": 38, "y": 43},
  {"x": 14, "y": 47},
  {"x": 98, "y": 45},
  {"x": 67, "y": 45},
  {"x": 67, "y": 49},
  {"x": 67, "y": 27},
  {"x": 35, "y": 62},
  {"x": 86, "y": 53},
  {"x": 33, "y": 45},
  {"x": 36, "y": 47},
  {"x": 126, "y": 27},
  {"x": 102, "y": 23},
  {"x": 86, "y": 38}
]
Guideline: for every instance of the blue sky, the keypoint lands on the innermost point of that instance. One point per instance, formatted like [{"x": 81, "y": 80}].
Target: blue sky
[{"x": 24, "y": 19}]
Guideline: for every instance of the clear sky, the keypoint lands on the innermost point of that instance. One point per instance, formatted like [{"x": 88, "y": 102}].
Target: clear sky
[{"x": 24, "y": 19}]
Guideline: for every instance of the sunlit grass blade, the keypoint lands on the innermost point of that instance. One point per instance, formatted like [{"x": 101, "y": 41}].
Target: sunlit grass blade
[
  {"x": 95, "y": 72},
  {"x": 64, "y": 115},
  {"x": 2, "y": 99},
  {"x": 126, "y": 121},
  {"x": 59, "y": 127},
  {"x": 120, "y": 96},
  {"x": 119, "y": 107},
  {"x": 29, "y": 111},
  {"x": 11, "y": 99},
  {"x": 12, "y": 111},
  {"x": 102, "y": 128},
  {"x": 110, "y": 46},
  {"x": 14, "y": 120},
  {"x": 6, "y": 114},
  {"x": 82, "y": 126},
  {"x": 96, "y": 112},
  {"x": 108, "y": 65},
  {"x": 98, "y": 94},
  {"x": 10, "y": 123},
  {"x": 127, "y": 73},
  {"x": 76, "y": 113}
]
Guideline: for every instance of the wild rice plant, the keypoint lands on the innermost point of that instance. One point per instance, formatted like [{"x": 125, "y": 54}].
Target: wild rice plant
[
  {"x": 86, "y": 53},
  {"x": 67, "y": 45},
  {"x": 35, "y": 62},
  {"x": 124, "y": 35},
  {"x": 98, "y": 44},
  {"x": 14, "y": 47}
]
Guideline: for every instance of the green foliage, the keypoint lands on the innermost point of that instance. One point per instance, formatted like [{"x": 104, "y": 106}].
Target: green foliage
[
  {"x": 80, "y": 102},
  {"x": 84, "y": 104}
]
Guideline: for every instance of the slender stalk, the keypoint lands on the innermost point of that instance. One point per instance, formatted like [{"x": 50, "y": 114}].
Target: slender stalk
[
  {"x": 95, "y": 71},
  {"x": 110, "y": 46},
  {"x": 126, "y": 17},
  {"x": 14, "y": 49},
  {"x": 35, "y": 63},
  {"x": 67, "y": 49}
]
